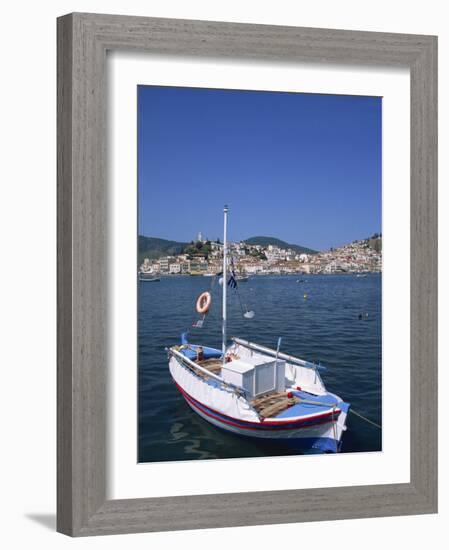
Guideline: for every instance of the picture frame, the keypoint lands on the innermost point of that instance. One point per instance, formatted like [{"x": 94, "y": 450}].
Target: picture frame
[{"x": 83, "y": 41}]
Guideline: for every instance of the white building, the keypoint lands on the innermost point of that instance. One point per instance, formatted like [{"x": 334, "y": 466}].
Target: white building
[
  {"x": 165, "y": 262},
  {"x": 185, "y": 266},
  {"x": 253, "y": 268}
]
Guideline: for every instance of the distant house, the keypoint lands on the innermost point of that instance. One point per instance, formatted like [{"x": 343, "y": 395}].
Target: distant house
[
  {"x": 165, "y": 262},
  {"x": 198, "y": 265},
  {"x": 216, "y": 246}
]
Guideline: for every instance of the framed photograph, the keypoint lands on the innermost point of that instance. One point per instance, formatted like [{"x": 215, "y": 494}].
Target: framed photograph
[{"x": 277, "y": 188}]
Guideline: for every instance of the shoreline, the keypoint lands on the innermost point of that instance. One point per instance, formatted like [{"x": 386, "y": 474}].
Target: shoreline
[{"x": 359, "y": 274}]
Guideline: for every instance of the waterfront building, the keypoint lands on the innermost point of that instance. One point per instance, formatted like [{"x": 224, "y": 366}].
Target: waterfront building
[
  {"x": 185, "y": 267},
  {"x": 165, "y": 262},
  {"x": 198, "y": 265}
]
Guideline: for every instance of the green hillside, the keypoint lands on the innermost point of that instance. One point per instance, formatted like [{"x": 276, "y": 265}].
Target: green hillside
[
  {"x": 153, "y": 248},
  {"x": 265, "y": 241}
]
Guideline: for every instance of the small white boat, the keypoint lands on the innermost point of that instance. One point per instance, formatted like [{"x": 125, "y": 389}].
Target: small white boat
[
  {"x": 148, "y": 277},
  {"x": 253, "y": 391},
  {"x": 208, "y": 274}
]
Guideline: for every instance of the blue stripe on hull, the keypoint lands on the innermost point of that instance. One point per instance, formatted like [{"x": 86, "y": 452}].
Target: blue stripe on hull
[
  {"x": 310, "y": 445},
  {"x": 298, "y": 442},
  {"x": 303, "y": 445}
]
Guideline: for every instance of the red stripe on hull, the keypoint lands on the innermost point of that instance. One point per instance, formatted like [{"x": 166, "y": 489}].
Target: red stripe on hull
[{"x": 248, "y": 425}]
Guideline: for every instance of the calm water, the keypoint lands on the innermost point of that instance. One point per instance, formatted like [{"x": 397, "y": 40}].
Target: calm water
[{"x": 323, "y": 328}]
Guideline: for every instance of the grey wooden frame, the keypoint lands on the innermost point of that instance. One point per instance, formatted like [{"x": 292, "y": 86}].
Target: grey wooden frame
[{"x": 83, "y": 40}]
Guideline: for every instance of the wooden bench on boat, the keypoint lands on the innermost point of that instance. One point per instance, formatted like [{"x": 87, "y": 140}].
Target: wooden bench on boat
[
  {"x": 212, "y": 365},
  {"x": 272, "y": 404}
]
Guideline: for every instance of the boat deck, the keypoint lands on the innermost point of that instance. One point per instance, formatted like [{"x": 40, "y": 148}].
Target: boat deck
[
  {"x": 272, "y": 404},
  {"x": 279, "y": 404},
  {"x": 212, "y": 365},
  {"x": 306, "y": 403},
  {"x": 292, "y": 404}
]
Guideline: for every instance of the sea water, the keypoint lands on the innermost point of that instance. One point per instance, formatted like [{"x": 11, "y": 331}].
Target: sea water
[{"x": 334, "y": 320}]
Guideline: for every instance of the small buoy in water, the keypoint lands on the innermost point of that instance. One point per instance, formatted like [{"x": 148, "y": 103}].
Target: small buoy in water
[
  {"x": 360, "y": 316},
  {"x": 305, "y": 296},
  {"x": 249, "y": 314}
]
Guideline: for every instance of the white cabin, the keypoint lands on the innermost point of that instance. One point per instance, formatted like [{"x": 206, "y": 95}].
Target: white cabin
[{"x": 255, "y": 375}]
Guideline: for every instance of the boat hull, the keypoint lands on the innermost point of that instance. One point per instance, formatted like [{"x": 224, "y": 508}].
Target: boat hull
[
  {"x": 304, "y": 442},
  {"x": 317, "y": 433},
  {"x": 319, "y": 438}
]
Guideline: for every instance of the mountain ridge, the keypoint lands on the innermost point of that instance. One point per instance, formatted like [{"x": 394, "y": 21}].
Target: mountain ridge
[
  {"x": 154, "y": 247},
  {"x": 266, "y": 241}
]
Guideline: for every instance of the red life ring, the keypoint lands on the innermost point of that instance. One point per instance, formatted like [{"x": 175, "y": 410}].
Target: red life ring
[{"x": 203, "y": 302}]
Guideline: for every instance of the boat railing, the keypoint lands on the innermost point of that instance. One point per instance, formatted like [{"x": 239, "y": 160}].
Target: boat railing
[
  {"x": 194, "y": 366},
  {"x": 280, "y": 355}
]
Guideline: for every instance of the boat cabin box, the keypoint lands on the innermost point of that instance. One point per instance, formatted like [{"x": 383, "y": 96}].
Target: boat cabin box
[{"x": 255, "y": 375}]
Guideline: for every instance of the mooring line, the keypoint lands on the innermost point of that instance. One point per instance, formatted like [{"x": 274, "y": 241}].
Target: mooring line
[{"x": 364, "y": 418}]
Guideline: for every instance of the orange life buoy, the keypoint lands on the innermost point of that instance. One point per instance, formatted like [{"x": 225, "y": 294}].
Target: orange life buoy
[{"x": 203, "y": 302}]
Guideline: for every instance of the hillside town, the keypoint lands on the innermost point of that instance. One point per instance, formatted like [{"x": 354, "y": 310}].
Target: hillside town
[{"x": 204, "y": 257}]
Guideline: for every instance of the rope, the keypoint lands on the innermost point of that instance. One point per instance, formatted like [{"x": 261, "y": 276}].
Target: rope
[
  {"x": 240, "y": 301},
  {"x": 237, "y": 292},
  {"x": 366, "y": 419},
  {"x": 334, "y": 429}
]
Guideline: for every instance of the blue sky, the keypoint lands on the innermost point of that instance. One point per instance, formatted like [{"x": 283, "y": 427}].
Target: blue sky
[{"x": 305, "y": 168}]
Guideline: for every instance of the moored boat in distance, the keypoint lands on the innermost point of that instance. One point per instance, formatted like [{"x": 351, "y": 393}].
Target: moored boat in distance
[
  {"x": 148, "y": 277},
  {"x": 255, "y": 391}
]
